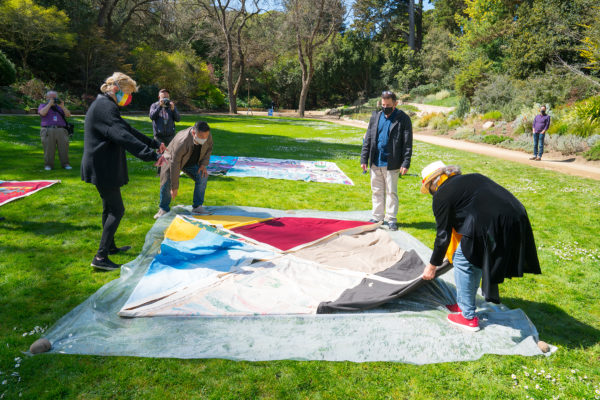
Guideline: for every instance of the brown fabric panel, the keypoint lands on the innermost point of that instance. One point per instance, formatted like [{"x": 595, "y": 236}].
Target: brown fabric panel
[{"x": 369, "y": 252}]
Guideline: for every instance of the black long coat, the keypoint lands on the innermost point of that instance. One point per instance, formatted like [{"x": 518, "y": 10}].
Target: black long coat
[
  {"x": 106, "y": 137},
  {"x": 497, "y": 235},
  {"x": 399, "y": 144}
]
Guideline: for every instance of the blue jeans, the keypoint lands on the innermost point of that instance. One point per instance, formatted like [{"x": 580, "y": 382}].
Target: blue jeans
[
  {"x": 538, "y": 138},
  {"x": 199, "y": 189},
  {"x": 467, "y": 278}
]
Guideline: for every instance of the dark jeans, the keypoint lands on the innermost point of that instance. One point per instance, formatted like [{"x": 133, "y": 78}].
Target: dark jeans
[
  {"x": 112, "y": 213},
  {"x": 199, "y": 189},
  {"x": 538, "y": 138}
]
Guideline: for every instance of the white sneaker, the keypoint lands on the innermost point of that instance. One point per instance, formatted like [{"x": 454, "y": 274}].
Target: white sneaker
[
  {"x": 160, "y": 213},
  {"x": 47, "y": 168},
  {"x": 200, "y": 211},
  {"x": 67, "y": 167}
]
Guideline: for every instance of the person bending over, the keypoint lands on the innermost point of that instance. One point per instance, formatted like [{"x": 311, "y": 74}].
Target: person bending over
[
  {"x": 189, "y": 152},
  {"x": 483, "y": 230}
]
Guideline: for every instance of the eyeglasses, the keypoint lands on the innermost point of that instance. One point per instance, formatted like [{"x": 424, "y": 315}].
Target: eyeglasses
[{"x": 386, "y": 93}]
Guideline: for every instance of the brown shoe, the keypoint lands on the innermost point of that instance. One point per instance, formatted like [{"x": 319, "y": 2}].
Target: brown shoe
[
  {"x": 533, "y": 158},
  {"x": 538, "y": 159}
]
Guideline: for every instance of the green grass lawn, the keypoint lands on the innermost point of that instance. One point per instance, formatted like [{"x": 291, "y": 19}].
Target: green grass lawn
[{"x": 48, "y": 240}]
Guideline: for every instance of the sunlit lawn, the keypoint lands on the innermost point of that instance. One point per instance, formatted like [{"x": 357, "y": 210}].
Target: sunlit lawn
[{"x": 48, "y": 240}]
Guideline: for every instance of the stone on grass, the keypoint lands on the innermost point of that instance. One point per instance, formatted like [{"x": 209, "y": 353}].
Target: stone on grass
[
  {"x": 40, "y": 346},
  {"x": 544, "y": 347}
]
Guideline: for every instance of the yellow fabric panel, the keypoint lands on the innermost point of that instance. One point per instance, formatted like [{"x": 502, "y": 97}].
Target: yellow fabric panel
[
  {"x": 180, "y": 230},
  {"x": 229, "y": 221},
  {"x": 454, "y": 242}
]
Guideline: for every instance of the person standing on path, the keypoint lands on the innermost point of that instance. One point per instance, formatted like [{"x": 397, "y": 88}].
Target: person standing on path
[
  {"x": 387, "y": 150},
  {"x": 54, "y": 130},
  {"x": 540, "y": 126}
]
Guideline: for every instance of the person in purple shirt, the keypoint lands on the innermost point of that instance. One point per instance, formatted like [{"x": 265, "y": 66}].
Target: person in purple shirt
[
  {"x": 54, "y": 130},
  {"x": 541, "y": 123}
]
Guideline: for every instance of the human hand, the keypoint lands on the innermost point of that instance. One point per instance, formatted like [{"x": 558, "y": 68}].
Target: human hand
[
  {"x": 403, "y": 171},
  {"x": 172, "y": 106},
  {"x": 429, "y": 272},
  {"x": 202, "y": 171},
  {"x": 162, "y": 148},
  {"x": 161, "y": 161},
  {"x": 161, "y": 103},
  {"x": 364, "y": 167},
  {"x": 173, "y": 193}
]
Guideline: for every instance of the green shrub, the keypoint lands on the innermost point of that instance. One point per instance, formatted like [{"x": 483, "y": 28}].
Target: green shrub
[
  {"x": 442, "y": 94},
  {"x": 492, "y": 116},
  {"x": 558, "y": 127},
  {"x": 255, "y": 102},
  {"x": 494, "y": 139},
  {"x": 8, "y": 73},
  {"x": 593, "y": 154},
  {"x": 453, "y": 123},
  {"x": 425, "y": 120},
  {"x": 468, "y": 79},
  {"x": 588, "y": 110},
  {"x": 423, "y": 90},
  {"x": 463, "y": 108}
]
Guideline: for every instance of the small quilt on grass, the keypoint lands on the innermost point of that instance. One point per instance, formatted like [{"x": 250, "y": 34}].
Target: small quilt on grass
[
  {"x": 275, "y": 168},
  {"x": 13, "y": 190}
]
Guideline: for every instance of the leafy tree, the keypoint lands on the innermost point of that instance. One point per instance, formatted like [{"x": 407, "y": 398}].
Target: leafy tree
[
  {"x": 591, "y": 42},
  {"x": 468, "y": 79},
  {"x": 8, "y": 73},
  {"x": 183, "y": 73},
  {"x": 29, "y": 29},
  {"x": 231, "y": 21},
  {"x": 312, "y": 26}
]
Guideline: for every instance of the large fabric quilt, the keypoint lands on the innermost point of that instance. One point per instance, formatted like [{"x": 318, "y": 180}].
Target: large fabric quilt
[
  {"x": 285, "y": 265},
  {"x": 275, "y": 168},
  {"x": 13, "y": 190},
  {"x": 411, "y": 328}
]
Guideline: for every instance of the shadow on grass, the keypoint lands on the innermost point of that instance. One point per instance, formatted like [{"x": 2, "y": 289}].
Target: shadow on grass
[
  {"x": 45, "y": 228},
  {"x": 555, "y": 325},
  {"x": 418, "y": 225}
]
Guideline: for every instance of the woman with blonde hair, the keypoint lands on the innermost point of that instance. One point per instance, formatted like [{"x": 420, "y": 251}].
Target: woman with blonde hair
[{"x": 106, "y": 137}]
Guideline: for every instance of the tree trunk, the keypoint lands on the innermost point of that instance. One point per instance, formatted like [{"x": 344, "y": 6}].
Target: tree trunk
[
  {"x": 230, "y": 92},
  {"x": 411, "y": 24},
  {"x": 303, "y": 96},
  {"x": 419, "y": 43}
]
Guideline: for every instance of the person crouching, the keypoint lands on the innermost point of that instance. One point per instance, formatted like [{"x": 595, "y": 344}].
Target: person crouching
[
  {"x": 189, "y": 152},
  {"x": 483, "y": 230}
]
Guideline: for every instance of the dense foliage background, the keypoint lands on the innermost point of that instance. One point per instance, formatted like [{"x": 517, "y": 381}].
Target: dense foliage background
[{"x": 494, "y": 54}]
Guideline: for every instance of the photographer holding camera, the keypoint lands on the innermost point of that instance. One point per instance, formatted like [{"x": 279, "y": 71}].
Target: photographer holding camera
[
  {"x": 54, "y": 130},
  {"x": 164, "y": 114}
]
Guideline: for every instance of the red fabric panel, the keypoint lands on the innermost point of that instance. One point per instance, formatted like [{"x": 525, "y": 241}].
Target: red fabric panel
[
  {"x": 286, "y": 233},
  {"x": 12, "y": 190}
]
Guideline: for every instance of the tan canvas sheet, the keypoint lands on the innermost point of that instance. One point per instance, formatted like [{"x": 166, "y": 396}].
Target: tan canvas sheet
[{"x": 369, "y": 252}]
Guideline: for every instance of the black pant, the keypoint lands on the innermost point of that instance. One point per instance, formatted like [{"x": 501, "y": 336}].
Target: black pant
[{"x": 112, "y": 213}]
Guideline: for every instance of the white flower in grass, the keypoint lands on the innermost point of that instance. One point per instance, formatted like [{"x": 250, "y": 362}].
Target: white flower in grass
[
  {"x": 597, "y": 391},
  {"x": 4, "y": 382},
  {"x": 526, "y": 387},
  {"x": 17, "y": 365},
  {"x": 526, "y": 373},
  {"x": 572, "y": 371},
  {"x": 513, "y": 376},
  {"x": 537, "y": 387},
  {"x": 542, "y": 371}
]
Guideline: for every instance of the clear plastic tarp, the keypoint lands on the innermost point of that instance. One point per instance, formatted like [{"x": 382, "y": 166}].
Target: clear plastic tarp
[{"x": 412, "y": 329}]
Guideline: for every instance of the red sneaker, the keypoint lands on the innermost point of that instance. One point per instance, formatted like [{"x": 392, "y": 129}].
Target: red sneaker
[
  {"x": 468, "y": 324},
  {"x": 453, "y": 307}
]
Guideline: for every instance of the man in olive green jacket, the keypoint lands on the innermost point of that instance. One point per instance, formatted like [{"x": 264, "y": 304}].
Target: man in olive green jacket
[{"x": 189, "y": 152}]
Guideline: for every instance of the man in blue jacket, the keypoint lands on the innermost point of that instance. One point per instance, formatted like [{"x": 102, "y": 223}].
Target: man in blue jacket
[{"x": 387, "y": 150}]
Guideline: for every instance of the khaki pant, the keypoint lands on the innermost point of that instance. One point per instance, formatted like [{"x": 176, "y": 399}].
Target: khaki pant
[
  {"x": 51, "y": 139},
  {"x": 384, "y": 189}
]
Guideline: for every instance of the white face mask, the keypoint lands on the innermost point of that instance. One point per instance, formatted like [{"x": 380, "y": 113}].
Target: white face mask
[{"x": 197, "y": 140}]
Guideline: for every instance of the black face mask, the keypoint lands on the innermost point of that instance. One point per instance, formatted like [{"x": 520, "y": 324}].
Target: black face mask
[
  {"x": 543, "y": 112},
  {"x": 387, "y": 110}
]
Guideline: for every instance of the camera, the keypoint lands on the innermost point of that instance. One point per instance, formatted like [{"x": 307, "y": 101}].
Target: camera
[
  {"x": 166, "y": 102},
  {"x": 56, "y": 101}
]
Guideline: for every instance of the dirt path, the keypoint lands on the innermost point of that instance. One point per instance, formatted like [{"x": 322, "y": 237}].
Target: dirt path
[{"x": 570, "y": 165}]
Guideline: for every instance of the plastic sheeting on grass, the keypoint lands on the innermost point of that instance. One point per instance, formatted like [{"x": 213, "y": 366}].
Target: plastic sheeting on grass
[{"x": 412, "y": 329}]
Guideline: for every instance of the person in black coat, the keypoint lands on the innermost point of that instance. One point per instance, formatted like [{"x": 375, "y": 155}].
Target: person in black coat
[
  {"x": 106, "y": 137},
  {"x": 483, "y": 230},
  {"x": 387, "y": 150}
]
